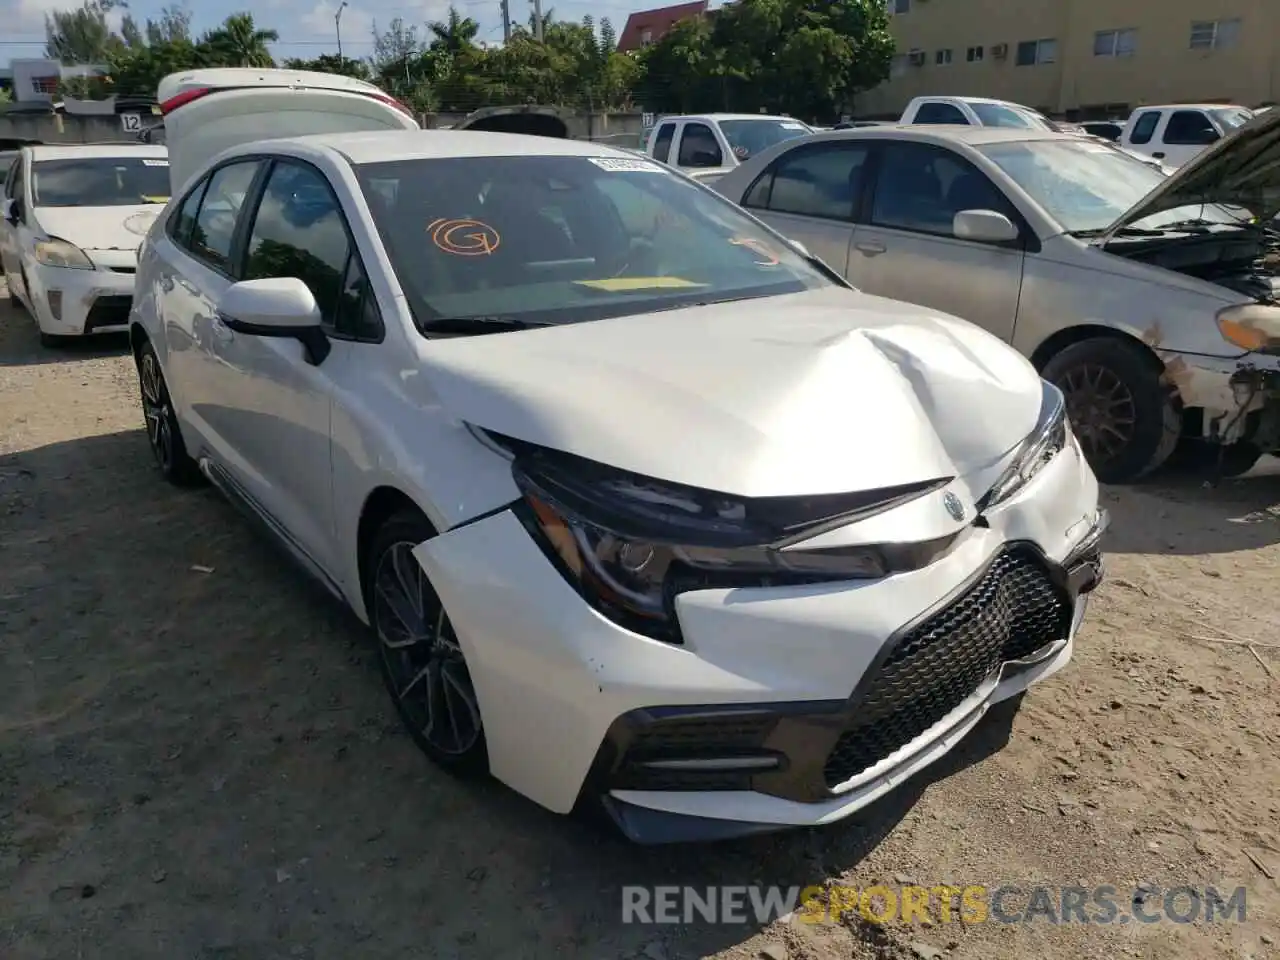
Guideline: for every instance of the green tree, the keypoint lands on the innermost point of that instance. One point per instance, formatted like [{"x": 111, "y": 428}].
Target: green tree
[
  {"x": 239, "y": 43},
  {"x": 82, "y": 34},
  {"x": 454, "y": 35},
  {"x": 332, "y": 63}
]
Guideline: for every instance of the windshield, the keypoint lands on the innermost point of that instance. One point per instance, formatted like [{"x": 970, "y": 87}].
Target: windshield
[
  {"x": 100, "y": 181},
  {"x": 539, "y": 240},
  {"x": 1087, "y": 186},
  {"x": 749, "y": 137},
  {"x": 1232, "y": 117},
  {"x": 996, "y": 115}
]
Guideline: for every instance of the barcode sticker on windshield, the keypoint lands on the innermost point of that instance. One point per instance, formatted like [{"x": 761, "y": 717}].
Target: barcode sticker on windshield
[
  {"x": 791, "y": 126},
  {"x": 155, "y": 163},
  {"x": 619, "y": 165}
]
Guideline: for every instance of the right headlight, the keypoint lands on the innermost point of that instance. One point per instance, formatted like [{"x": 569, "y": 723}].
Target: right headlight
[
  {"x": 1050, "y": 436},
  {"x": 60, "y": 253},
  {"x": 1251, "y": 326}
]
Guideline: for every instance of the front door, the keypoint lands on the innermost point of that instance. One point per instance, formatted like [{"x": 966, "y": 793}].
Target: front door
[
  {"x": 275, "y": 405},
  {"x": 809, "y": 195},
  {"x": 906, "y": 249},
  {"x": 10, "y": 238}
]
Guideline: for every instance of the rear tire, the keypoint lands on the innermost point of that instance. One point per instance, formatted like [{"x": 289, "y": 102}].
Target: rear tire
[
  {"x": 163, "y": 432},
  {"x": 52, "y": 341},
  {"x": 419, "y": 656},
  {"x": 1125, "y": 416}
]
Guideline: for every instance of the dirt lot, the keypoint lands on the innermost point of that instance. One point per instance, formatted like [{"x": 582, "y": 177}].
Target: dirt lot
[{"x": 197, "y": 759}]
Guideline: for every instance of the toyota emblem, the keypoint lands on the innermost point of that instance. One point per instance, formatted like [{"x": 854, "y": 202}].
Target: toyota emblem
[{"x": 953, "y": 505}]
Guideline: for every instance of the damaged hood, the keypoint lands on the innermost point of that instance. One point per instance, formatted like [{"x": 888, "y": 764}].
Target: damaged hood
[
  {"x": 828, "y": 391},
  {"x": 1242, "y": 169},
  {"x": 99, "y": 228}
]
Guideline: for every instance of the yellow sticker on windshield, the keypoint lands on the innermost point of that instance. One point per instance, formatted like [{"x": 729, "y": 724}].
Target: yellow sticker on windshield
[
  {"x": 155, "y": 199},
  {"x": 620, "y": 284}
]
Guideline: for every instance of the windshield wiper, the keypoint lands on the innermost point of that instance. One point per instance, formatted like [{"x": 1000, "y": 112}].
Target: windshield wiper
[
  {"x": 495, "y": 324},
  {"x": 1122, "y": 232}
]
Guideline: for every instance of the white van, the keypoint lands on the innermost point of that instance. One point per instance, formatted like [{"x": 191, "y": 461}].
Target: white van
[{"x": 206, "y": 111}]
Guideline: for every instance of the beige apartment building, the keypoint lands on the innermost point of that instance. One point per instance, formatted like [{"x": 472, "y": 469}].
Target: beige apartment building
[{"x": 1084, "y": 59}]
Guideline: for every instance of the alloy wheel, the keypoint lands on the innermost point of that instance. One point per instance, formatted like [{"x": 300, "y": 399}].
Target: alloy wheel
[
  {"x": 1101, "y": 408},
  {"x": 422, "y": 656},
  {"x": 155, "y": 408}
]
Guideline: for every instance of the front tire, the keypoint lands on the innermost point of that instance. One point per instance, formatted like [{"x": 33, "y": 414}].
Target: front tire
[
  {"x": 1123, "y": 413},
  {"x": 421, "y": 661},
  {"x": 163, "y": 433}
]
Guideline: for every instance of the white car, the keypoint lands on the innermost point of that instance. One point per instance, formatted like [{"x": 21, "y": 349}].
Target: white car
[
  {"x": 72, "y": 220},
  {"x": 645, "y": 508}
]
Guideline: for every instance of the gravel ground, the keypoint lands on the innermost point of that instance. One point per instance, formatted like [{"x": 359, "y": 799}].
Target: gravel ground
[{"x": 197, "y": 759}]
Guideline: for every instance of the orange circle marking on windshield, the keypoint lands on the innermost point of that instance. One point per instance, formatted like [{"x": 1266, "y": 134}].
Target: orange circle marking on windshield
[
  {"x": 464, "y": 237},
  {"x": 758, "y": 246}
]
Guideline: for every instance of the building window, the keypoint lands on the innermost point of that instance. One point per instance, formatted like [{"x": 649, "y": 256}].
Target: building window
[
  {"x": 974, "y": 55},
  {"x": 1115, "y": 43},
  {"x": 1214, "y": 34},
  {"x": 45, "y": 84},
  {"x": 942, "y": 58},
  {"x": 646, "y": 38},
  {"x": 1032, "y": 52},
  {"x": 892, "y": 7}
]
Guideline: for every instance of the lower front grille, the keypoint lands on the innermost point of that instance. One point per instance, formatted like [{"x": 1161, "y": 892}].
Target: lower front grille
[
  {"x": 1013, "y": 610},
  {"x": 109, "y": 311}
]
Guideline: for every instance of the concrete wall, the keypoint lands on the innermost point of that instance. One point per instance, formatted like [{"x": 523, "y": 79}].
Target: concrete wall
[{"x": 614, "y": 129}]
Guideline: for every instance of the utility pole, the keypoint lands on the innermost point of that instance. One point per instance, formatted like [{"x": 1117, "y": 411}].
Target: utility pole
[
  {"x": 337, "y": 26},
  {"x": 506, "y": 21},
  {"x": 537, "y": 19}
]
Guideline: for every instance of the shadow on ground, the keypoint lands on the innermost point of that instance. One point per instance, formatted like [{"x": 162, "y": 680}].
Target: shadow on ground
[{"x": 200, "y": 761}]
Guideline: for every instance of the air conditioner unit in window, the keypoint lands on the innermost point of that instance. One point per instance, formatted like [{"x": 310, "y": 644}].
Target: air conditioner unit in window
[
  {"x": 999, "y": 51},
  {"x": 916, "y": 58}
]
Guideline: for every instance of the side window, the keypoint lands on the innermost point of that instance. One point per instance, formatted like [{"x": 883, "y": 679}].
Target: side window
[
  {"x": 940, "y": 113},
  {"x": 298, "y": 231},
  {"x": 821, "y": 180},
  {"x": 662, "y": 142},
  {"x": 13, "y": 186},
  {"x": 214, "y": 229},
  {"x": 757, "y": 195},
  {"x": 921, "y": 188},
  {"x": 1144, "y": 127},
  {"x": 1189, "y": 128},
  {"x": 184, "y": 219},
  {"x": 699, "y": 148}
]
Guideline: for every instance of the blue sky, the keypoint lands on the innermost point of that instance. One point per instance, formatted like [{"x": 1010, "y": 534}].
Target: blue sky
[{"x": 306, "y": 27}]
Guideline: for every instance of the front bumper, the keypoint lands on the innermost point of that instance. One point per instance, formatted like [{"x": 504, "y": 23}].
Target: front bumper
[
  {"x": 806, "y": 698},
  {"x": 68, "y": 302},
  {"x": 1236, "y": 399}
]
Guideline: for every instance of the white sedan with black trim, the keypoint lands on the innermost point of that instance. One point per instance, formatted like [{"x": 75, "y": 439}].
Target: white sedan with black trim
[{"x": 645, "y": 508}]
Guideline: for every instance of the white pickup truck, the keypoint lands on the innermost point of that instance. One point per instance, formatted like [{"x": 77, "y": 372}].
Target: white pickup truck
[
  {"x": 1175, "y": 133},
  {"x": 715, "y": 143}
]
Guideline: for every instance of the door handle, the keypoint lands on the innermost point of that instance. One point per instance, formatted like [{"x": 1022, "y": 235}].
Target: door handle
[
  {"x": 870, "y": 248},
  {"x": 1159, "y": 155}
]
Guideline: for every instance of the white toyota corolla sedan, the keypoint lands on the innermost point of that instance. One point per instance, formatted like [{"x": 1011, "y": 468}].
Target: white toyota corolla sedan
[{"x": 645, "y": 508}]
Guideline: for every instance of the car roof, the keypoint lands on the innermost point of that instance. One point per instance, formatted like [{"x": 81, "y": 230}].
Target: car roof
[
  {"x": 1190, "y": 106},
  {"x": 389, "y": 145},
  {"x": 728, "y": 116},
  {"x": 943, "y": 133},
  {"x": 81, "y": 151}
]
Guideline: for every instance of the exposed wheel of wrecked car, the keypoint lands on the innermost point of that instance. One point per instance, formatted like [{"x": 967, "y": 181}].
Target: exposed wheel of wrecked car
[
  {"x": 163, "y": 433},
  {"x": 418, "y": 651},
  {"x": 1229, "y": 460},
  {"x": 1126, "y": 419}
]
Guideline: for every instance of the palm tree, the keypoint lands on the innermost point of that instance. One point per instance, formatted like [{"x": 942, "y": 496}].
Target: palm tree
[
  {"x": 239, "y": 43},
  {"x": 454, "y": 34},
  {"x": 547, "y": 16}
]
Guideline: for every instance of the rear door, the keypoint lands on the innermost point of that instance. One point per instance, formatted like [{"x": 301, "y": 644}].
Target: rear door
[
  {"x": 809, "y": 194},
  {"x": 196, "y": 264},
  {"x": 9, "y": 242},
  {"x": 906, "y": 249},
  {"x": 660, "y": 149}
]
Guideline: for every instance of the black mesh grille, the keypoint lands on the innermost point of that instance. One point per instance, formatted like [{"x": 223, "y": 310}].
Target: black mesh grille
[
  {"x": 714, "y": 735},
  {"x": 109, "y": 311},
  {"x": 1011, "y": 612}
]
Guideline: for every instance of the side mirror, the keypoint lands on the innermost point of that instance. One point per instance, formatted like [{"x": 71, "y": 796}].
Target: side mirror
[
  {"x": 11, "y": 210},
  {"x": 276, "y": 307},
  {"x": 1210, "y": 136},
  {"x": 983, "y": 226}
]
